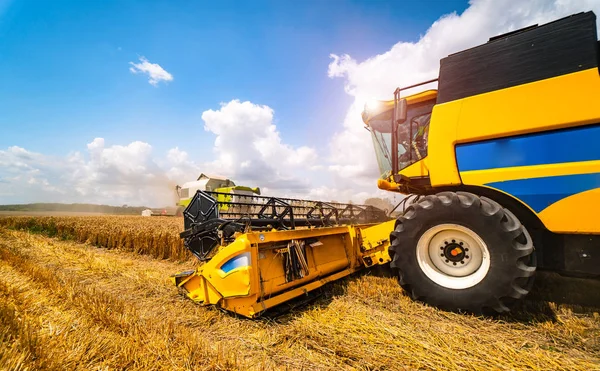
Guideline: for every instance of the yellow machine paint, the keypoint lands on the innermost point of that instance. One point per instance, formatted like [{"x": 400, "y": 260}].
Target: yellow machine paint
[
  {"x": 562, "y": 102},
  {"x": 259, "y": 282},
  {"x": 568, "y": 101},
  {"x": 504, "y": 166}
]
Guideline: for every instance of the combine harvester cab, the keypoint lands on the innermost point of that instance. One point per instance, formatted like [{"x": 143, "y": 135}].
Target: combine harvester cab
[{"x": 258, "y": 252}]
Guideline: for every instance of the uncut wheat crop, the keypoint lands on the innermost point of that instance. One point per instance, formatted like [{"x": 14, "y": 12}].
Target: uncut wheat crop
[{"x": 154, "y": 236}]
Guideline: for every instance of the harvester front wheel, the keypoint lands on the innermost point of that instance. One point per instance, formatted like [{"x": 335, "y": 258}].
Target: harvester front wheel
[{"x": 458, "y": 251}]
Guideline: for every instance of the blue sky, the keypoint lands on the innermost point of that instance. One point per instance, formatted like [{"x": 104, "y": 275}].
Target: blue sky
[
  {"x": 65, "y": 77},
  {"x": 268, "y": 93}
]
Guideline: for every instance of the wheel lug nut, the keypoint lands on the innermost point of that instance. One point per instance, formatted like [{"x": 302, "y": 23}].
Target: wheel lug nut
[
  {"x": 460, "y": 243},
  {"x": 441, "y": 254},
  {"x": 441, "y": 247},
  {"x": 466, "y": 249},
  {"x": 447, "y": 261},
  {"x": 453, "y": 241},
  {"x": 466, "y": 256},
  {"x": 445, "y": 242},
  {"x": 462, "y": 262},
  {"x": 454, "y": 263}
]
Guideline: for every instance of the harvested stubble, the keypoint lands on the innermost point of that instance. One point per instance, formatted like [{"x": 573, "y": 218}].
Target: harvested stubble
[
  {"x": 72, "y": 306},
  {"x": 156, "y": 236}
]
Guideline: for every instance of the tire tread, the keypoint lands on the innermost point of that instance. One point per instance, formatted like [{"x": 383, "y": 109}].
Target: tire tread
[{"x": 419, "y": 216}]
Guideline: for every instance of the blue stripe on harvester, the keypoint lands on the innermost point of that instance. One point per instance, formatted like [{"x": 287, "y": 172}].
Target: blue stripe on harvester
[
  {"x": 568, "y": 145},
  {"x": 540, "y": 193},
  {"x": 242, "y": 260}
]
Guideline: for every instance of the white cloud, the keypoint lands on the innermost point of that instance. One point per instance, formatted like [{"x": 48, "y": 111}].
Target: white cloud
[
  {"x": 104, "y": 174},
  {"x": 179, "y": 167},
  {"x": 249, "y": 148},
  {"x": 154, "y": 71},
  {"x": 352, "y": 154}
]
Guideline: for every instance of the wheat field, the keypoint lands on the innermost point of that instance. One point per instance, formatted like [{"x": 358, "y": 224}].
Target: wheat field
[
  {"x": 154, "y": 236},
  {"x": 77, "y": 293}
]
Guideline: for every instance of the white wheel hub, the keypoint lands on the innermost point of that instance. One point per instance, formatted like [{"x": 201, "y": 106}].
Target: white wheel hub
[{"x": 453, "y": 256}]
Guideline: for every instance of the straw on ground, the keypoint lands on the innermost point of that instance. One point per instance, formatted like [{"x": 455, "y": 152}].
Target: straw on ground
[{"x": 67, "y": 305}]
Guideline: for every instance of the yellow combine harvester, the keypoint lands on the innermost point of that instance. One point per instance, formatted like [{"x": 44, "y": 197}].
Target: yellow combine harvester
[{"x": 504, "y": 165}]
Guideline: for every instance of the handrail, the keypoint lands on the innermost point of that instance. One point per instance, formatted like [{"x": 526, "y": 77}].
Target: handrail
[{"x": 398, "y": 90}]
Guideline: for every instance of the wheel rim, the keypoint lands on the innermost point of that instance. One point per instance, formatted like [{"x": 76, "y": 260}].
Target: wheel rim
[{"x": 453, "y": 256}]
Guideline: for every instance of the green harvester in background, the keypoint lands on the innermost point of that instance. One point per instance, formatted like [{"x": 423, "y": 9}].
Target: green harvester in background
[{"x": 226, "y": 191}]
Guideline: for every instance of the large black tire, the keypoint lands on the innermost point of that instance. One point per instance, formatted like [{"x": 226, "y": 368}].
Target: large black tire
[{"x": 511, "y": 256}]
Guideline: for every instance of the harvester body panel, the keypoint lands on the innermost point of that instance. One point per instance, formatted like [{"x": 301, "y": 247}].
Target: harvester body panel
[{"x": 541, "y": 151}]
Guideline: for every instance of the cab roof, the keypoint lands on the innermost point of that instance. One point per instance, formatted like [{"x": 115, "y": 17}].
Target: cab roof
[{"x": 376, "y": 108}]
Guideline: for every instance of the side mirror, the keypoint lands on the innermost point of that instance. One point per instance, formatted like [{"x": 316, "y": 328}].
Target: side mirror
[{"x": 401, "y": 108}]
